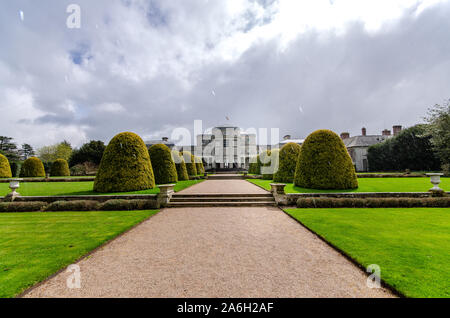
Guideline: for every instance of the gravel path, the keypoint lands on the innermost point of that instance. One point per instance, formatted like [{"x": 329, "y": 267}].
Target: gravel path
[
  {"x": 215, "y": 252},
  {"x": 224, "y": 186}
]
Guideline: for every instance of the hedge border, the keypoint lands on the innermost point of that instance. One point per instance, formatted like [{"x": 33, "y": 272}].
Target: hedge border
[{"x": 440, "y": 202}]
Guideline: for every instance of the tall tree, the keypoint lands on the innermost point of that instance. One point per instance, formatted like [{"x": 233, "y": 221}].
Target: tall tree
[
  {"x": 9, "y": 148},
  {"x": 26, "y": 151},
  {"x": 438, "y": 128},
  {"x": 89, "y": 152}
]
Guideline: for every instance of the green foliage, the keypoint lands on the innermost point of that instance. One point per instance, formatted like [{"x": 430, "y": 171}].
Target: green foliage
[
  {"x": 438, "y": 129},
  {"x": 180, "y": 165},
  {"x": 15, "y": 168},
  {"x": 125, "y": 166},
  {"x": 255, "y": 166},
  {"x": 411, "y": 149},
  {"x": 443, "y": 202},
  {"x": 163, "y": 164},
  {"x": 60, "y": 168},
  {"x": 89, "y": 152},
  {"x": 199, "y": 166},
  {"x": 26, "y": 151},
  {"x": 269, "y": 161},
  {"x": 9, "y": 148},
  {"x": 62, "y": 150},
  {"x": 288, "y": 161},
  {"x": 189, "y": 159},
  {"x": 324, "y": 163},
  {"x": 5, "y": 169},
  {"x": 32, "y": 167}
]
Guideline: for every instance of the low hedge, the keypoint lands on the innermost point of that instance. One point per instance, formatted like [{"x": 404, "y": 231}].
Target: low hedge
[
  {"x": 22, "y": 206},
  {"x": 439, "y": 202},
  {"x": 80, "y": 205}
]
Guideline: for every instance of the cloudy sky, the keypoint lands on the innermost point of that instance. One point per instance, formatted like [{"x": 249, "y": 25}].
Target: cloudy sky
[{"x": 151, "y": 66}]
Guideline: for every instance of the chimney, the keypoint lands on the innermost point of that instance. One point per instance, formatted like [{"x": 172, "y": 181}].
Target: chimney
[
  {"x": 165, "y": 139},
  {"x": 364, "y": 131},
  {"x": 397, "y": 129},
  {"x": 386, "y": 132},
  {"x": 287, "y": 137},
  {"x": 345, "y": 135}
]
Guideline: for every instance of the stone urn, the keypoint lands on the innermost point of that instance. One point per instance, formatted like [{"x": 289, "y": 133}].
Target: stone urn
[
  {"x": 14, "y": 184},
  {"x": 435, "y": 181}
]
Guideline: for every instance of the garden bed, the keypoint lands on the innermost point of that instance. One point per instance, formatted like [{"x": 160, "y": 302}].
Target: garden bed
[{"x": 409, "y": 245}]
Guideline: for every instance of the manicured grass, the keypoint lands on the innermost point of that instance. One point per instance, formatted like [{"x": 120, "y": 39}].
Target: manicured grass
[
  {"x": 35, "y": 245},
  {"x": 76, "y": 188},
  {"x": 369, "y": 185},
  {"x": 411, "y": 246}
]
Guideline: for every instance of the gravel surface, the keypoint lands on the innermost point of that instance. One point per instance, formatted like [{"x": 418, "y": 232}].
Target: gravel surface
[
  {"x": 215, "y": 252},
  {"x": 224, "y": 186}
]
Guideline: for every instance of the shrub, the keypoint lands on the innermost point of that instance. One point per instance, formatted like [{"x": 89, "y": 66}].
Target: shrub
[
  {"x": 15, "y": 168},
  {"x": 442, "y": 202},
  {"x": 128, "y": 205},
  {"x": 287, "y": 163},
  {"x": 255, "y": 166},
  {"x": 84, "y": 169},
  {"x": 32, "y": 167},
  {"x": 189, "y": 159},
  {"x": 125, "y": 166},
  {"x": 324, "y": 163},
  {"x": 163, "y": 165},
  {"x": 199, "y": 166},
  {"x": 60, "y": 168},
  {"x": 5, "y": 169},
  {"x": 180, "y": 165},
  {"x": 446, "y": 169},
  {"x": 22, "y": 206},
  {"x": 269, "y": 163},
  {"x": 80, "y": 205}
]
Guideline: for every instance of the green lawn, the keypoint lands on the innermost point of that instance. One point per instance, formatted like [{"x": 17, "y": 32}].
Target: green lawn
[
  {"x": 411, "y": 246},
  {"x": 76, "y": 188},
  {"x": 35, "y": 245},
  {"x": 369, "y": 185}
]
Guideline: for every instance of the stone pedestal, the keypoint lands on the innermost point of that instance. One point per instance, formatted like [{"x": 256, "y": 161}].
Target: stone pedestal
[
  {"x": 165, "y": 194},
  {"x": 278, "y": 193}
]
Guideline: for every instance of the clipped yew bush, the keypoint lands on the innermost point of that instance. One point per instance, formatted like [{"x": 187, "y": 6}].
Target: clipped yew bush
[
  {"x": 287, "y": 163},
  {"x": 199, "y": 166},
  {"x": 269, "y": 163},
  {"x": 163, "y": 165},
  {"x": 180, "y": 166},
  {"x": 125, "y": 166},
  {"x": 5, "y": 168},
  {"x": 324, "y": 163},
  {"x": 60, "y": 168},
  {"x": 32, "y": 167},
  {"x": 254, "y": 166},
  {"x": 189, "y": 159}
]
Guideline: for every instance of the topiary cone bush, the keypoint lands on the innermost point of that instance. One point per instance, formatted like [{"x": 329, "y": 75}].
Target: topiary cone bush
[
  {"x": 189, "y": 159},
  {"x": 60, "y": 168},
  {"x": 255, "y": 166},
  {"x": 288, "y": 162},
  {"x": 269, "y": 163},
  {"x": 180, "y": 165},
  {"x": 324, "y": 163},
  {"x": 125, "y": 166},
  {"x": 5, "y": 168},
  {"x": 199, "y": 166},
  {"x": 32, "y": 167},
  {"x": 163, "y": 165}
]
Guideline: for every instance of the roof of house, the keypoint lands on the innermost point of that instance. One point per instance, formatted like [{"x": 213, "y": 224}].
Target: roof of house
[
  {"x": 159, "y": 141},
  {"x": 364, "y": 141}
]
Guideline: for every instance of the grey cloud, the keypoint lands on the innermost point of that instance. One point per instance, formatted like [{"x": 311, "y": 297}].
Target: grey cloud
[{"x": 162, "y": 72}]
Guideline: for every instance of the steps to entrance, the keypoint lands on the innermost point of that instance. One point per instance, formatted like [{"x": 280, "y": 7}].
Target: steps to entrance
[{"x": 221, "y": 200}]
